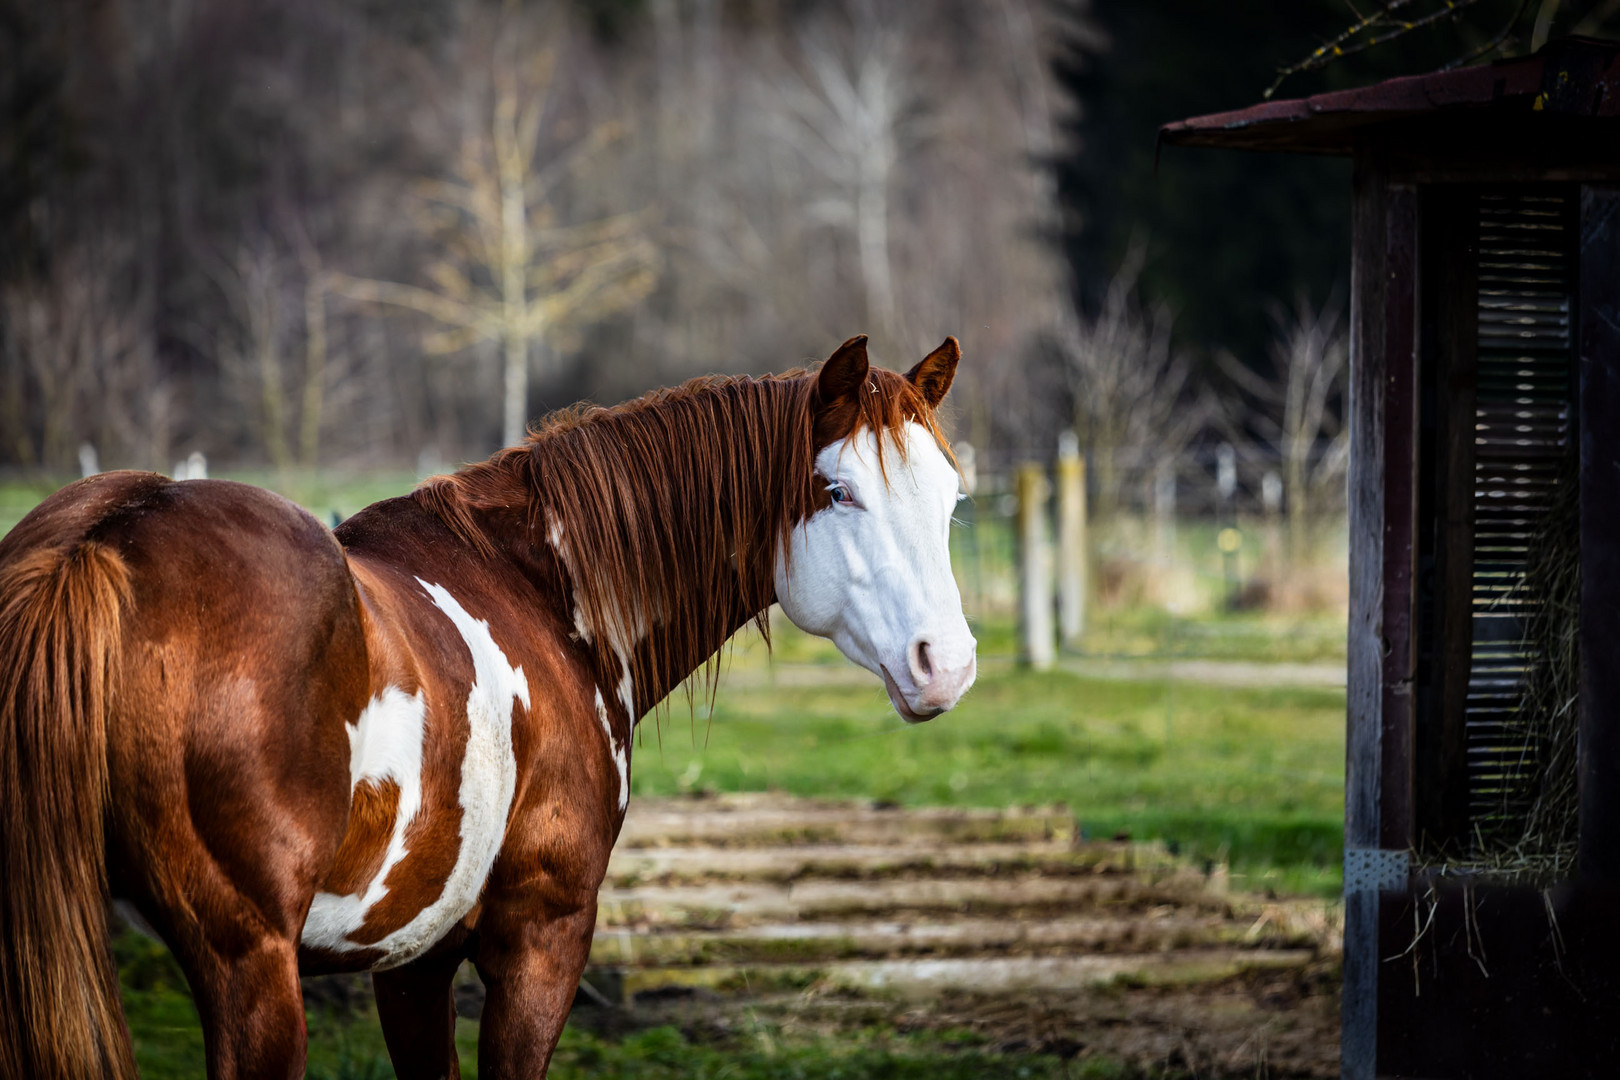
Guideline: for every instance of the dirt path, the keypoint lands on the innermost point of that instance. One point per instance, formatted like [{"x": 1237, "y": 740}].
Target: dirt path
[{"x": 828, "y": 915}]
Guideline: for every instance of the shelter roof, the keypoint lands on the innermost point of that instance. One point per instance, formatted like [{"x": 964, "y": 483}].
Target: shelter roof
[{"x": 1570, "y": 77}]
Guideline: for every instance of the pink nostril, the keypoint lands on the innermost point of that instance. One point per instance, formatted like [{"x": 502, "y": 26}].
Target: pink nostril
[{"x": 922, "y": 665}]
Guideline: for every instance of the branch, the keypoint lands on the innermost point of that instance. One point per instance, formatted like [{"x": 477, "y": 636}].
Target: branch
[
  {"x": 1339, "y": 47},
  {"x": 430, "y": 303}
]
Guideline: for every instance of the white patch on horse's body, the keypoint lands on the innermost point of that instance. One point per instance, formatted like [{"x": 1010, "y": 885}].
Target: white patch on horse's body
[
  {"x": 620, "y": 751},
  {"x": 488, "y": 780},
  {"x": 385, "y": 743},
  {"x": 627, "y": 694},
  {"x": 621, "y": 640}
]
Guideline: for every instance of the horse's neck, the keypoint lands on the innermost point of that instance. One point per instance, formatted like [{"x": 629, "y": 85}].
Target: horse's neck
[{"x": 645, "y": 653}]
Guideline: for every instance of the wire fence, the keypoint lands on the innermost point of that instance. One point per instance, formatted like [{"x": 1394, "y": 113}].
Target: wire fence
[{"x": 1207, "y": 530}]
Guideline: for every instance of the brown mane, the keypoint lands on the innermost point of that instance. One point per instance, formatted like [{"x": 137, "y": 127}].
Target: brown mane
[{"x": 671, "y": 506}]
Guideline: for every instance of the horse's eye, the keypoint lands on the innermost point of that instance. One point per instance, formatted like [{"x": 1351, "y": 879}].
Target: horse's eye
[{"x": 840, "y": 494}]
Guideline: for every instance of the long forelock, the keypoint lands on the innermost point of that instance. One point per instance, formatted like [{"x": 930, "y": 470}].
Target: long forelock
[{"x": 885, "y": 404}]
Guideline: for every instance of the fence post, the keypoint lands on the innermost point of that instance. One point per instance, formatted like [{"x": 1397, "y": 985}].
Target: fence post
[
  {"x": 1164, "y": 511},
  {"x": 1228, "y": 539},
  {"x": 1071, "y": 492},
  {"x": 1034, "y": 569},
  {"x": 1271, "y": 497}
]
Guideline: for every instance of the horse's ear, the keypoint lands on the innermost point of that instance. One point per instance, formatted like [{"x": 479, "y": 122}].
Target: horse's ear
[
  {"x": 844, "y": 372},
  {"x": 933, "y": 374}
]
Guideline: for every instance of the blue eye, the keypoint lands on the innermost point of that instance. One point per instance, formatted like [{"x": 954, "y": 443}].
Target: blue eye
[{"x": 840, "y": 494}]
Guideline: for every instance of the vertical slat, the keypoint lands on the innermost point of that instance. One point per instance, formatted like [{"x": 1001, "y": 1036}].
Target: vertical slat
[
  {"x": 1363, "y": 767},
  {"x": 1599, "y": 330},
  {"x": 1400, "y": 518},
  {"x": 1527, "y": 254},
  {"x": 1444, "y": 786}
]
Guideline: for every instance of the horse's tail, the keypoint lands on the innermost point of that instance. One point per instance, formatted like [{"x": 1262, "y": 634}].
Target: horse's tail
[{"x": 60, "y": 629}]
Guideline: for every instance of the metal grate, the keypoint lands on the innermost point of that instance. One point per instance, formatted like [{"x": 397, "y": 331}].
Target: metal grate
[{"x": 1523, "y": 443}]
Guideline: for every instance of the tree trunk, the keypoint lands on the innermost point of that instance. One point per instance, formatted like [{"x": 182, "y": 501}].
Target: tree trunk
[
  {"x": 517, "y": 387},
  {"x": 309, "y": 431}
]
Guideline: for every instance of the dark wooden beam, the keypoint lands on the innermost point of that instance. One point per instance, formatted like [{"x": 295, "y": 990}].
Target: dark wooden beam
[
  {"x": 1443, "y": 791},
  {"x": 1382, "y": 657},
  {"x": 1399, "y": 668},
  {"x": 1363, "y": 772},
  {"x": 1599, "y": 766},
  {"x": 1372, "y": 206}
]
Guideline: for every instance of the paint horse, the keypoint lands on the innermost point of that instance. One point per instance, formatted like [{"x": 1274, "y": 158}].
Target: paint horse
[{"x": 406, "y": 742}]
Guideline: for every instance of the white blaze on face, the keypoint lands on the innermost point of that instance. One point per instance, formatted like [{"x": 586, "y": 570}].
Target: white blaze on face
[
  {"x": 488, "y": 781},
  {"x": 873, "y": 572}
]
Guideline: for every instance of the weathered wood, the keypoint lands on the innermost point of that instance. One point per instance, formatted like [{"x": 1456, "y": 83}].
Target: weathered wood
[
  {"x": 1038, "y": 649},
  {"x": 1599, "y": 421},
  {"x": 1443, "y": 773},
  {"x": 1400, "y": 517},
  {"x": 1364, "y": 676}
]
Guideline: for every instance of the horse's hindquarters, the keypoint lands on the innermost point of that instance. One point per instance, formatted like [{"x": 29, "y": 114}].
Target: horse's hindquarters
[{"x": 242, "y": 656}]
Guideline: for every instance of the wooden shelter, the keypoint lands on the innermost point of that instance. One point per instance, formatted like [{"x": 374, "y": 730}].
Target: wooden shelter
[{"x": 1482, "y": 786}]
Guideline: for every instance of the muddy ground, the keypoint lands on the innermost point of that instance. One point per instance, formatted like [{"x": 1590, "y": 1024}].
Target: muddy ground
[{"x": 737, "y": 913}]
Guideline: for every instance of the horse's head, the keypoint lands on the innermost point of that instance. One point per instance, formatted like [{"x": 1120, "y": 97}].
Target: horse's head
[{"x": 870, "y": 567}]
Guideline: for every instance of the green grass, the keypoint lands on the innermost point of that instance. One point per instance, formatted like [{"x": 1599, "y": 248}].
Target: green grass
[
  {"x": 666, "y": 1054},
  {"x": 348, "y": 1045}
]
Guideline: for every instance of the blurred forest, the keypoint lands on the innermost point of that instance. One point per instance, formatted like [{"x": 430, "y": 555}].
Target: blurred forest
[{"x": 354, "y": 233}]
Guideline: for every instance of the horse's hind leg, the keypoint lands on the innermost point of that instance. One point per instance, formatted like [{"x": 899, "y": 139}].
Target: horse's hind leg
[
  {"x": 417, "y": 1008},
  {"x": 250, "y": 1004},
  {"x": 221, "y": 836}
]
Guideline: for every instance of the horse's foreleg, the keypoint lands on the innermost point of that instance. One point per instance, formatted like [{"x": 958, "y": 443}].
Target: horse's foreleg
[
  {"x": 418, "y": 1014},
  {"x": 530, "y": 956}
]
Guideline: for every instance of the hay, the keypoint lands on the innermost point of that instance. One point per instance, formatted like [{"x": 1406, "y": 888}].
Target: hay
[{"x": 1530, "y": 839}]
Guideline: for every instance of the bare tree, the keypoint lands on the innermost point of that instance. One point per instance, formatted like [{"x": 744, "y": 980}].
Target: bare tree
[
  {"x": 511, "y": 269},
  {"x": 1133, "y": 393},
  {"x": 1298, "y": 409},
  {"x": 71, "y": 347},
  {"x": 850, "y": 116},
  {"x": 250, "y": 343}
]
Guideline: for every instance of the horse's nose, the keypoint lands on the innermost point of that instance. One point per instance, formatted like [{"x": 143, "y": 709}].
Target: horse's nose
[{"x": 940, "y": 675}]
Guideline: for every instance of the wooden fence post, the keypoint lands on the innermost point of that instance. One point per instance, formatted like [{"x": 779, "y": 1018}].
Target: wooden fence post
[
  {"x": 1071, "y": 492},
  {"x": 1164, "y": 511},
  {"x": 1034, "y": 569}
]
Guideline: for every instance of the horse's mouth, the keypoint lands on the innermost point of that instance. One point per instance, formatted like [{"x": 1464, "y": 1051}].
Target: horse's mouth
[{"x": 898, "y": 700}]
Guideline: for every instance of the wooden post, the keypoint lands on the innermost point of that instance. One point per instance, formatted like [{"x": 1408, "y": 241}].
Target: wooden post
[
  {"x": 1452, "y": 225},
  {"x": 1599, "y": 763},
  {"x": 1271, "y": 498},
  {"x": 1381, "y": 653},
  {"x": 1071, "y": 485},
  {"x": 1228, "y": 539},
  {"x": 1164, "y": 511},
  {"x": 1034, "y": 569}
]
